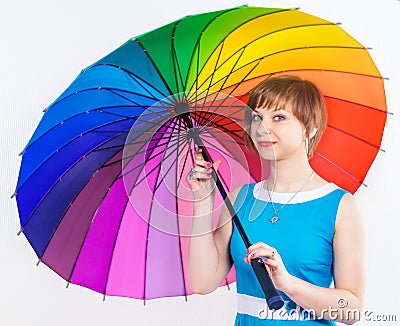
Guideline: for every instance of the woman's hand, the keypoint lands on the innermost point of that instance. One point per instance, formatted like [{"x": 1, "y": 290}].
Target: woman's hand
[
  {"x": 200, "y": 178},
  {"x": 273, "y": 264}
]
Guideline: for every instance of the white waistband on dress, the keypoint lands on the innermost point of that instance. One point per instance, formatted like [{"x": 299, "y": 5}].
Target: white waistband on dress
[{"x": 257, "y": 307}]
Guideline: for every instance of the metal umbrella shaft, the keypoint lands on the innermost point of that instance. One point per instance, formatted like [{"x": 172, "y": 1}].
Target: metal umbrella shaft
[{"x": 274, "y": 300}]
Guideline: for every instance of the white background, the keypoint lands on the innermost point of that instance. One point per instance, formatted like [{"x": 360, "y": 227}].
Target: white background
[{"x": 45, "y": 44}]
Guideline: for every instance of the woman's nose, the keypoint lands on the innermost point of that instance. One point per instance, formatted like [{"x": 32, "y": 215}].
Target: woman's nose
[{"x": 263, "y": 129}]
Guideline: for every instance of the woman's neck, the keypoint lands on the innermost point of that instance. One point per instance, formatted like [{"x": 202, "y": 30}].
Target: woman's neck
[{"x": 288, "y": 176}]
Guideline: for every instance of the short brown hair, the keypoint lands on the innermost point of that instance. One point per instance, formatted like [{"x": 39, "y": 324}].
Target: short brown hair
[{"x": 303, "y": 98}]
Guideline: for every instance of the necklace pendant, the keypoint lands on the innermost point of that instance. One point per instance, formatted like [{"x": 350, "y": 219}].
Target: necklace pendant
[{"x": 274, "y": 219}]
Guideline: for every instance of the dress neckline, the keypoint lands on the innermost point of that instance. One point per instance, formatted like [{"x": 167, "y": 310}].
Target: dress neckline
[{"x": 283, "y": 197}]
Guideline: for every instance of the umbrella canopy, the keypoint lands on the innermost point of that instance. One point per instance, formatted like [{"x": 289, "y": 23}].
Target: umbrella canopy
[{"x": 99, "y": 170}]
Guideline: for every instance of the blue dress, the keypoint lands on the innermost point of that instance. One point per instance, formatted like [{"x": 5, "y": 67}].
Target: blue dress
[{"x": 303, "y": 236}]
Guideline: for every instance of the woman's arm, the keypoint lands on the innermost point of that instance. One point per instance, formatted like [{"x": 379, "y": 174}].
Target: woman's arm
[
  {"x": 344, "y": 303},
  {"x": 209, "y": 257}
]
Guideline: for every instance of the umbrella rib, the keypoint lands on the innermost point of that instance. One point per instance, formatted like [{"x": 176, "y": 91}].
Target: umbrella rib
[
  {"x": 363, "y": 105},
  {"x": 197, "y": 67},
  {"x": 340, "y": 168},
  {"x": 89, "y": 225},
  {"x": 175, "y": 63},
  {"x": 144, "y": 163},
  {"x": 170, "y": 167},
  {"x": 114, "y": 245},
  {"x": 225, "y": 140},
  {"x": 177, "y": 210},
  {"x": 229, "y": 95},
  {"x": 218, "y": 115},
  {"x": 288, "y": 50},
  {"x": 232, "y": 122},
  {"x": 124, "y": 97},
  {"x": 58, "y": 179},
  {"x": 222, "y": 149},
  {"x": 355, "y": 137},
  {"x": 186, "y": 158},
  {"x": 324, "y": 70},
  {"x": 113, "y": 114},
  {"x": 86, "y": 232},
  {"x": 147, "y": 237},
  {"x": 80, "y": 113},
  {"x": 77, "y": 137},
  {"x": 130, "y": 73},
  {"x": 225, "y": 78},
  {"x": 70, "y": 141},
  {"x": 142, "y": 83},
  {"x": 233, "y": 132},
  {"x": 141, "y": 151},
  {"x": 170, "y": 144},
  {"x": 220, "y": 126},
  {"x": 131, "y": 144},
  {"x": 212, "y": 75},
  {"x": 99, "y": 89},
  {"x": 198, "y": 42},
  {"x": 155, "y": 66},
  {"x": 208, "y": 24},
  {"x": 266, "y": 35},
  {"x": 55, "y": 126}
]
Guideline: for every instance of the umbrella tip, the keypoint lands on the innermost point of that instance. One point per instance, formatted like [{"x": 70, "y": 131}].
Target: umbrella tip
[
  {"x": 46, "y": 109},
  {"x": 21, "y": 230},
  {"x": 22, "y": 153},
  {"x": 37, "y": 264},
  {"x": 67, "y": 286},
  {"x": 13, "y": 195}
]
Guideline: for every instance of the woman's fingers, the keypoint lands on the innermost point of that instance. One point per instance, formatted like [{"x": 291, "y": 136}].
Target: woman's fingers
[
  {"x": 202, "y": 167},
  {"x": 261, "y": 249},
  {"x": 270, "y": 263},
  {"x": 202, "y": 170}
]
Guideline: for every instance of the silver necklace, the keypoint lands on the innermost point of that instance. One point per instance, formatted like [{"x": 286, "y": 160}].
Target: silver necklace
[{"x": 275, "y": 217}]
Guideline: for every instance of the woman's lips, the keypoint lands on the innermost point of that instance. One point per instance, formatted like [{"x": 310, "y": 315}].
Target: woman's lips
[{"x": 266, "y": 143}]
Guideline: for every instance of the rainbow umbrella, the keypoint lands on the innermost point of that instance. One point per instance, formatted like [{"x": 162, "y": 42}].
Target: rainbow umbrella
[{"x": 94, "y": 181}]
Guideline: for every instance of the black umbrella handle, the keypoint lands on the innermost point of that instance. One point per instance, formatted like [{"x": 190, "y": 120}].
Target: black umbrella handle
[{"x": 274, "y": 300}]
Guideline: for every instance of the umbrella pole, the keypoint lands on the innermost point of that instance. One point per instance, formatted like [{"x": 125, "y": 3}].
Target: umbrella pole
[{"x": 274, "y": 300}]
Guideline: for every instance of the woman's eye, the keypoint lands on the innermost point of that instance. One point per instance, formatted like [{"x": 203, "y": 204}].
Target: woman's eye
[
  {"x": 279, "y": 117},
  {"x": 256, "y": 117}
]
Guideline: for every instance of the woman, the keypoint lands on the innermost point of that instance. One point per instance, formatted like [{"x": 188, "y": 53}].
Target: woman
[{"x": 307, "y": 231}]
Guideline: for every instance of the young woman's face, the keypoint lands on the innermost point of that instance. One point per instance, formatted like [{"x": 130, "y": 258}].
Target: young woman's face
[{"x": 277, "y": 133}]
